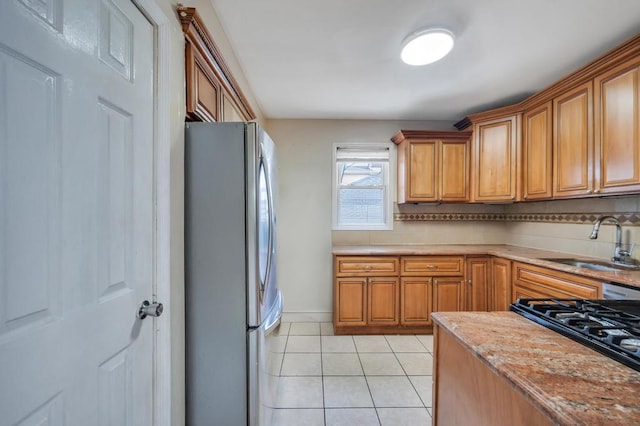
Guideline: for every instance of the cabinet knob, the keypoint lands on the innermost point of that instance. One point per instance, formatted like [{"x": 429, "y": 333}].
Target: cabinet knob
[
  {"x": 589, "y": 191},
  {"x": 597, "y": 191},
  {"x": 525, "y": 196},
  {"x": 431, "y": 267}
]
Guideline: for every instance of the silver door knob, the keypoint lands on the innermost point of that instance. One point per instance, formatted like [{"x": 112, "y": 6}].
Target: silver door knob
[{"x": 149, "y": 309}]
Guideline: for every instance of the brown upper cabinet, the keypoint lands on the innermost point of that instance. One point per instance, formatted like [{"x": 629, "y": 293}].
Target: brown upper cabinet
[
  {"x": 212, "y": 93},
  {"x": 433, "y": 166},
  {"x": 573, "y": 143},
  {"x": 495, "y": 167},
  {"x": 537, "y": 150},
  {"x": 579, "y": 137},
  {"x": 617, "y": 128}
]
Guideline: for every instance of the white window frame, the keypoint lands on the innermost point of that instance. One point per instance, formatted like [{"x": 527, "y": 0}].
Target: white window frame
[{"x": 389, "y": 187}]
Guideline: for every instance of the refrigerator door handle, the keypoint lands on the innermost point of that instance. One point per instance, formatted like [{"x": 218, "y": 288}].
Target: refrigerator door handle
[{"x": 267, "y": 176}]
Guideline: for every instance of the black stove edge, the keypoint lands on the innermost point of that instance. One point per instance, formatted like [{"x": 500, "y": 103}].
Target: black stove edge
[{"x": 583, "y": 339}]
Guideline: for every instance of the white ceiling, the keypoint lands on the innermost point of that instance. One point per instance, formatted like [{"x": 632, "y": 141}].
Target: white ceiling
[{"x": 340, "y": 58}]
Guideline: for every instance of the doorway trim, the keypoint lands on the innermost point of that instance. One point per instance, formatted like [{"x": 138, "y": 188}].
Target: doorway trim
[{"x": 162, "y": 371}]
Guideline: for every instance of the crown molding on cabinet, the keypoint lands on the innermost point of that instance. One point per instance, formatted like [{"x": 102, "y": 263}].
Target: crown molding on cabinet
[{"x": 196, "y": 33}]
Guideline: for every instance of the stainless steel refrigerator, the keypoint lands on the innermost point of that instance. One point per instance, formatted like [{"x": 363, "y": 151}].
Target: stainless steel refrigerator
[{"x": 232, "y": 300}]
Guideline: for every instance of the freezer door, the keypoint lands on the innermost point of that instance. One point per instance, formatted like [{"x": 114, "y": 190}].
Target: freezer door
[{"x": 265, "y": 357}]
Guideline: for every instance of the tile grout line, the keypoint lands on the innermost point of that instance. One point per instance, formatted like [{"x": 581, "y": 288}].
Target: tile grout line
[
  {"x": 367, "y": 382},
  {"x": 324, "y": 408},
  {"x": 405, "y": 371}
]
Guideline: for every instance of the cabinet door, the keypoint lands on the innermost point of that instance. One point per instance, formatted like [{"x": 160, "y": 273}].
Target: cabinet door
[
  {"x": 617, "y": 129},
  {"x": 495, "y": 162},
  {"x": 383, "y": 301},
  {"x": 202, "y": 88},
  {"x": 477, "y": 285},
  {"x": 537, "y": 153},
  {"x": 454, "y": 177},
  {"x": 350, "y": 301},
  {"x": 422, "y": 171},
  {"x": 230, "y": 110},
  {"x": 416, "y": 300},
  {"x": 448, "y": 294},
  {"x": 500, "y": 290},
  {"x": 573, "y": 143}
]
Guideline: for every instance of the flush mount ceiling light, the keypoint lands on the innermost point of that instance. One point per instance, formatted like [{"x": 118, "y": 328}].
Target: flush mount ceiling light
[{"x": 426, "y": 46}]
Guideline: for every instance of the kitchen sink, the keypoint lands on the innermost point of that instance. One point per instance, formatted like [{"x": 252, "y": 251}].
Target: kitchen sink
[{"x": 597, "y": 265}]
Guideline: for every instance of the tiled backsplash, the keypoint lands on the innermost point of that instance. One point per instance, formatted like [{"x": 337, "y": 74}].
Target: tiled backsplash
[
  {"x": 627, "y": 218},
  {"x": 582, "y": 211}
]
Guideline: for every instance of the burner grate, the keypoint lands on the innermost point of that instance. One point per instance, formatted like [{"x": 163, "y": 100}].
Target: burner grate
[{"x": 612, "y": 327}]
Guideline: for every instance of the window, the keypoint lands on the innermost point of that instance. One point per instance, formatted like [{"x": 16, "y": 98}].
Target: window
[{"x": 362, "y": 186}]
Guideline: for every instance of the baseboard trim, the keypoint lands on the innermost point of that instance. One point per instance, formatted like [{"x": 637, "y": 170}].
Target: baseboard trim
[{"x": 307, "y": 317}]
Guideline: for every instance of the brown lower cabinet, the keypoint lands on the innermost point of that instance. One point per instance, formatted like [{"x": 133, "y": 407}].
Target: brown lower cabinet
[
  {"x": 531, "y": 281},
  {"x": 448, "y": 294},
  {"x": 488, "y": 285},
  {"x": 499, "y": 292},
  {"x": 395, "y": 294},
  {"x": 416, "y": 299},
  {"x": 478, "y": 283},
  {"x": 466, "y": 390},
  {"x": 382, "y": 298}
]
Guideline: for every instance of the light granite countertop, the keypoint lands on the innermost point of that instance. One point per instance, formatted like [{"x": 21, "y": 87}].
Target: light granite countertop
[
  {"x": 571, "y": 383},
  {"x": 521, "y": 254}
]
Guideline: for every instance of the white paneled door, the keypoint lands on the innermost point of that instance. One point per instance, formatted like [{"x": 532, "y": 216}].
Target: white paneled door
[{"x": 76, "y": 212}]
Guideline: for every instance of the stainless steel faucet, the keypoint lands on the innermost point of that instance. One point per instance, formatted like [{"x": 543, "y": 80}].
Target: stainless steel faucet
[{"x": 619, "y": 255}]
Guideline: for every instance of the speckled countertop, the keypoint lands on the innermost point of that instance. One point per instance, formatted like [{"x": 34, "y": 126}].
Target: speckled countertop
[
  {"x": 571, "y": 383},
  {"x": 521, "y": 254}
]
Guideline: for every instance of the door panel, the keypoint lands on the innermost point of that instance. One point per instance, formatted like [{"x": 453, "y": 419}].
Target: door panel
[
  {"x": 478, "y": 283},
  {"x": 448, "y": 294},
  {"x": 416, "y": 300},
  {"x": 573, "y": 143},
  {"x": 617, "y": 124},
  {"x": 500, "y": 291},
  {"x": 351, "y": 295},
  {"x": 537, "y": 152},
  {"x": 383, "y": 301},
  {"x": 77, "y": 232},
  {"x": 423, "y": 171},
  {"x": 495, "y": 159},
  {"x": 454, "y": 179}
]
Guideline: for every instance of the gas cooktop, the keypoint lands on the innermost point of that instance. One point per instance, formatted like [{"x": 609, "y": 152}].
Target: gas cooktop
[{"x": 612, "y": 327}]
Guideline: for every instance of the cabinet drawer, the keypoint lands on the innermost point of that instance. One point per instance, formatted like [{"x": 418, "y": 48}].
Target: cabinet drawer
[
  {"x": 554, "y": 283},
  {"x": 431, "y": 265},
  {"x": 358, "y": 266}
]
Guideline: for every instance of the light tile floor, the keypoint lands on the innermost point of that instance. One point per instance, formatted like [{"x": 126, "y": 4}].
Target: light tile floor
[{"x": 329, "y": 380}]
